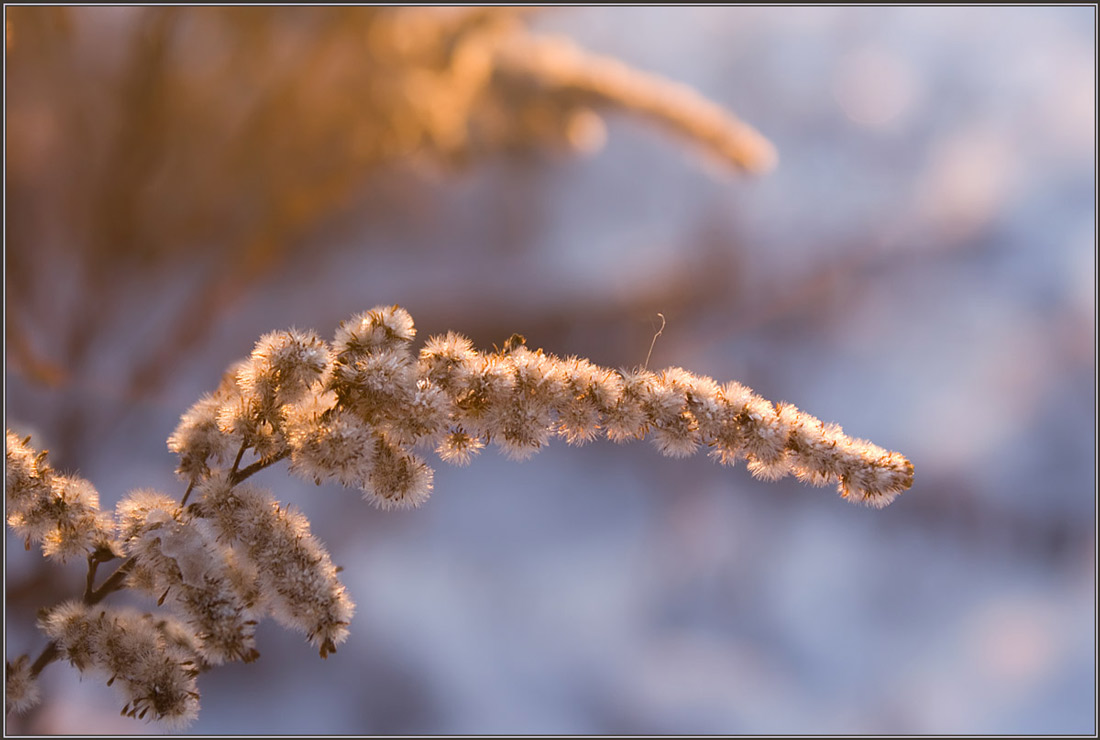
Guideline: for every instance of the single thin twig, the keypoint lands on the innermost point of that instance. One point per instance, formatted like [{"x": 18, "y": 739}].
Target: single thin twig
[
  {"x": 48, "y": 655},
  {"x": 237, "y": 461},
  {"x": 187, "y": 493},
  {"x": 89, "y": 582},
  {"x": 652, "y": 344}
]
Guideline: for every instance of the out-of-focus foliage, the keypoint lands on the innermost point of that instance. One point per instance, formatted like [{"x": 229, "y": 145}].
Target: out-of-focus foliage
[{"x": 214, "y": 139}]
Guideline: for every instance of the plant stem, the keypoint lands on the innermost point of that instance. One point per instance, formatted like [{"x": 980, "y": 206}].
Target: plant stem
[
  {"x": 255, "y": 467},
  {"x": 48, "y": 655},
  {"x": 112, "y": 584},
  {"x": 237, "y": 462},
  {"x": 89, "y": 582},
  {"x": 190, "y": 487}
]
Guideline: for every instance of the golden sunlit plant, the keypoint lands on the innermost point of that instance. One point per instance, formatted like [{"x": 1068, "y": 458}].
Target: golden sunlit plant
[
  {"x": 355, "y": 410},
  {"x": 216, "y": 140}
]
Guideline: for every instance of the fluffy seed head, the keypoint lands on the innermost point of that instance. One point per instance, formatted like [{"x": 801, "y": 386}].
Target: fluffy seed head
[
  {"x": 398, "y": 478},
  {"x": 459, "y": 448},
  {"x": 198, "y": 440},
  {"x": 21, "y": 689},
  {"x": 381, "y": 328}
]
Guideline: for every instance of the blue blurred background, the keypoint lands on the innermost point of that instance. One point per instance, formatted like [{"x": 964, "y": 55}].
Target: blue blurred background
[{"x": 920, "y": 268}]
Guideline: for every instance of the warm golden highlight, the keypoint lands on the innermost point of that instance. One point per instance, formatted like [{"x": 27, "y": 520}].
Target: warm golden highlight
[{"x": 354, "y": 410}]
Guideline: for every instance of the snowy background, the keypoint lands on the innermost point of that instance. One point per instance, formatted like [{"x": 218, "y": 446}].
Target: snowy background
[{"x": 920, "y": 269}]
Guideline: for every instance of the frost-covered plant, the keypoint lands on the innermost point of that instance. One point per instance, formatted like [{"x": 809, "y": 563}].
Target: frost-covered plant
[{"x": 355, "y": 410}]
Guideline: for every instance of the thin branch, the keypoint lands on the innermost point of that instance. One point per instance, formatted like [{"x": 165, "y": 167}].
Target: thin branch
[
  {"x": 237, "y": 462},
  {"x": 654, "y": 342},
  {"x": 256, "y": 467},
  {"x": 190, "y": 487},
  {"x": 48, "y": 655},
  {"x": 112, "y": 584},
  {"x": 89, "y": 582}
]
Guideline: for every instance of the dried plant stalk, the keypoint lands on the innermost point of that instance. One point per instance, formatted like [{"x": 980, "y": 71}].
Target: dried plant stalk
[{"x": 354, "y": 410}]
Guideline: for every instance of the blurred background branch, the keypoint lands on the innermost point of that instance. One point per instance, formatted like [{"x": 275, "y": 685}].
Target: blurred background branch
[{"x": 214, "y": 141}]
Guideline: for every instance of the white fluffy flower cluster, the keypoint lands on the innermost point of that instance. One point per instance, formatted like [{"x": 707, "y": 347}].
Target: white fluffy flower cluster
[
  {"x": 20, "y": 687},
  {"x": 150, "y": 657},
  {"x": 295, "y": 580},
  {"x": 178, "y": 557},
  {"x": 220, "y": 565},
  {"x": 356, "y": 410},
  {"x": 60, "y": 511}
]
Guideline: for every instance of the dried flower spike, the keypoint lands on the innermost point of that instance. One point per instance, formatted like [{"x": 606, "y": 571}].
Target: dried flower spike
[
  {"x": 296, "y": 574},
  {"x": 20, "y": 687},
  {"x": 178, "y": 559},
  {"x": 62, "y": 512},
  {"x": 376, "y": 402},
  {"x": 156, "y": 675}
]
